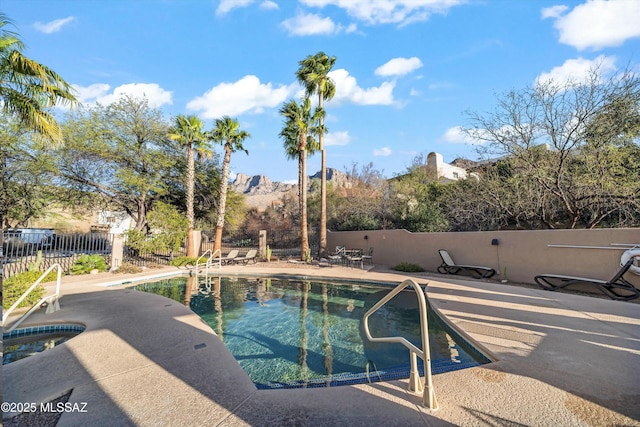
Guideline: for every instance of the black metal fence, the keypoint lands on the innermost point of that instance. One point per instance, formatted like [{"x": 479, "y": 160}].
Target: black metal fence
[{"x": 21, "y": 250}]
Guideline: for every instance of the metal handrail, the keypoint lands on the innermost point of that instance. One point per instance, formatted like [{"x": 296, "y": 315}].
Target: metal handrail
[
  {"x": 51, "y": 308},
  {"x": 415, "y": 385},
  {"x": 209, "y": 262},
  {"x": 200, "y": 257}
]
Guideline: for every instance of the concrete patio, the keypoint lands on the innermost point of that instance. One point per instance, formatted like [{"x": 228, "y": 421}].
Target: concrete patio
[{"x": 561, "y": 360}]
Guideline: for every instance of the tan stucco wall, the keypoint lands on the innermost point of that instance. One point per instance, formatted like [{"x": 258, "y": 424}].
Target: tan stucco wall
[{"x": 525, "y": 254}]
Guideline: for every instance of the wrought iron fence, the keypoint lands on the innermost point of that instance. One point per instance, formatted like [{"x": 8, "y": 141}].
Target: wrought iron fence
[
  {"x": 21, "y": 249},
  {"x": 147, "y": 259}
]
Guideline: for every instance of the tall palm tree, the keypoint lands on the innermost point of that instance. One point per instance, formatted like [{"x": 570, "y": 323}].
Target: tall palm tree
[
  {"x": 28, "y": 88},
  {"x": 188, "y": 132},
  {"x": 299, "y": 127},
  {"x": 226, "y": 132},
  {"x": 313, "y": 74}
]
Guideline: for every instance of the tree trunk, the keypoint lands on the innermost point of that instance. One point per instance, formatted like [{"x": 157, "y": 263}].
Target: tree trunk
[
  {"x": 304, "y": 235},
  {"x": 223, "y": 198},
  {"x": 323, "y": 190},
  {"x": 191, "y": 249}
]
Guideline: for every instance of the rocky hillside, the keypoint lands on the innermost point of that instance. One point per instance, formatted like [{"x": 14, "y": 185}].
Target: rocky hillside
[{"x": 261, "y": 192}]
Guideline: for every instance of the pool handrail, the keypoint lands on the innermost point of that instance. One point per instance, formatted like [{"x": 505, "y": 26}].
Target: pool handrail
[
  {"x": 52, "y": 307},
  {"x": 415, "y": 385},
  {"x": 209, "y": 261}
]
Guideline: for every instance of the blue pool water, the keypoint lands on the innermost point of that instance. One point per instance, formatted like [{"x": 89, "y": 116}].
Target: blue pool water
[
  {"x": 32, "y": 340},
  {"x": 307, "y": 333}
]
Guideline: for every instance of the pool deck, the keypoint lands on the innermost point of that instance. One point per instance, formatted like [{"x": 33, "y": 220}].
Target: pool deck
[{"x": 561, "y": 360}]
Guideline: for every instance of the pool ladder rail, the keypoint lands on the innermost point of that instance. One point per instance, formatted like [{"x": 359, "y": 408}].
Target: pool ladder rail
[
  {"x": 52, "y": 301},
  {"x": 210, "y": 261},
  {"x": 415, "y": 384}
]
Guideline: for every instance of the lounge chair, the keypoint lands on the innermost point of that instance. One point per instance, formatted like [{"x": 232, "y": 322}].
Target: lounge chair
[
  {"x": 450, "y": 267},
  {"x": 252, "y": 255},
  {"x": 233, "y": 254},
  {"x": 615, "y": 288}
]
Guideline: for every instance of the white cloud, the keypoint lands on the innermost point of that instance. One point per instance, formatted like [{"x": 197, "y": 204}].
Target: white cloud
[
  {"x": 388, "y": 11},
  {"x": 347, "y": 90},
  {"x": 309, "y": 24},
  {"x": 382, "y": 152},
  {"x": 99, "y": 93},
  {"x": 247, "y": 95},
  {"x": 269, "y": 5},
  {"x": 337, "y": 138},
  {"x": 577, "y": 70},
  {"x": 456, "y": 135},
  {"x": 399, "y": 67},
  {"x": 553, "y": 11},
  {"x": 226, "y": 6},
  {"x": 53, "y": 26},
  {"x": 597, "y": 24}
]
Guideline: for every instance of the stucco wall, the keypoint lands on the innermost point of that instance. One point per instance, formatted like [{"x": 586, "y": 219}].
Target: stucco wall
[{"x": 525, "y": 254}]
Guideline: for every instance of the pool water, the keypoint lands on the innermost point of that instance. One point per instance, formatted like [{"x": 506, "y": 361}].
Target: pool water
[
  {"x": 307, "y": 333},
  {"x": 30, "y": 341}
]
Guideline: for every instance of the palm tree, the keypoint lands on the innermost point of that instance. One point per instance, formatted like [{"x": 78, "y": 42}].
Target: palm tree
[
  {"x": 28, "y": 89},
  {"x": 226, "y": 132},
  {"x": 187, "y": 131},
  {"x": 313, "y": 75},
  {"x": 299, "y": 127}
]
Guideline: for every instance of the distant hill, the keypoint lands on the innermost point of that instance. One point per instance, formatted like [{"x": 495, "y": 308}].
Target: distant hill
[{"x": 261, "y": 192}]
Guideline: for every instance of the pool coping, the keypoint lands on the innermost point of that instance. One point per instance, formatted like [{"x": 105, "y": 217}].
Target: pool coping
[{"x": 531, "y": 381}]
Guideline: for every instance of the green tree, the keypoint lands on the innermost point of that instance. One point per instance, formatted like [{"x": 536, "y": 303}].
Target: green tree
[
  {"x": 313, "y": 74},
  {"x": 188, "y": 132},
  {"x": 226, "y": 132},
  {"x": 28, "y": 89},
  {"x": 301, "y": 123},
  {"x": 168, "y": 231},
  {"x": 577, "y": 145},
  {"x": 120, "y": 153},
  {"x": 26, "y": 188}
]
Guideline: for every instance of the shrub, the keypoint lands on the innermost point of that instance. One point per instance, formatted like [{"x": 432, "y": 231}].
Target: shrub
[
  {"x": 408, "y": 268},
  {"x": 13, "y": 288},
  {"x": 87, "y": 263},
  {"x": 181, "y": 261},
  {"x": 126, "y": 268}
]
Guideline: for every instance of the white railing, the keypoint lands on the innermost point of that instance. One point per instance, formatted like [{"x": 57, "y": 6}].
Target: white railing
[
  {"x": 52, "y": 306},
  {"x": 209, "y": 261},
  {"x": 415, "y": 385}
]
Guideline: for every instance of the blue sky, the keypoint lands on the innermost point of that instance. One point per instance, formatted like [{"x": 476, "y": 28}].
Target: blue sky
[{"x": 406, "y": 70}]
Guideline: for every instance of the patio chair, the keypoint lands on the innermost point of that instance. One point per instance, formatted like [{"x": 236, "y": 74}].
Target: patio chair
[
  {"x": 616, "y": 288},
  {"x": 368, "y": 257},
  {"x": 450, "y": 267},
  {"x": 233, "y": 254},
  {"x": 337, "y": 256},
  {"x": 353, "y": 256},
  {"x": 252, "y": 256}
]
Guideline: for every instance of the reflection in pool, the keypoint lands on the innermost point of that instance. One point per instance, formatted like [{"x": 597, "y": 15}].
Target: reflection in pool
[{"x": 308, "y": 333}]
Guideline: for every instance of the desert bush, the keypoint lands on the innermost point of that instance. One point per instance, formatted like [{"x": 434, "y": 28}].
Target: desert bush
[
  {"x": 13, "y": 288},
  {"x": 127, "y": 268},
  {"x": 408, "y": 268},
  {"x": 181, "y": 261}
]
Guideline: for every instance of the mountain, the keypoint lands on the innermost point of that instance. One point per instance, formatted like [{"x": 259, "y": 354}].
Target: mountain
[{"x": 260, "y": 192}]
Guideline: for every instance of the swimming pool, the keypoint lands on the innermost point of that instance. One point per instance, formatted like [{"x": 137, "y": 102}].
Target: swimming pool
[{"x": 289, "y": 333}]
